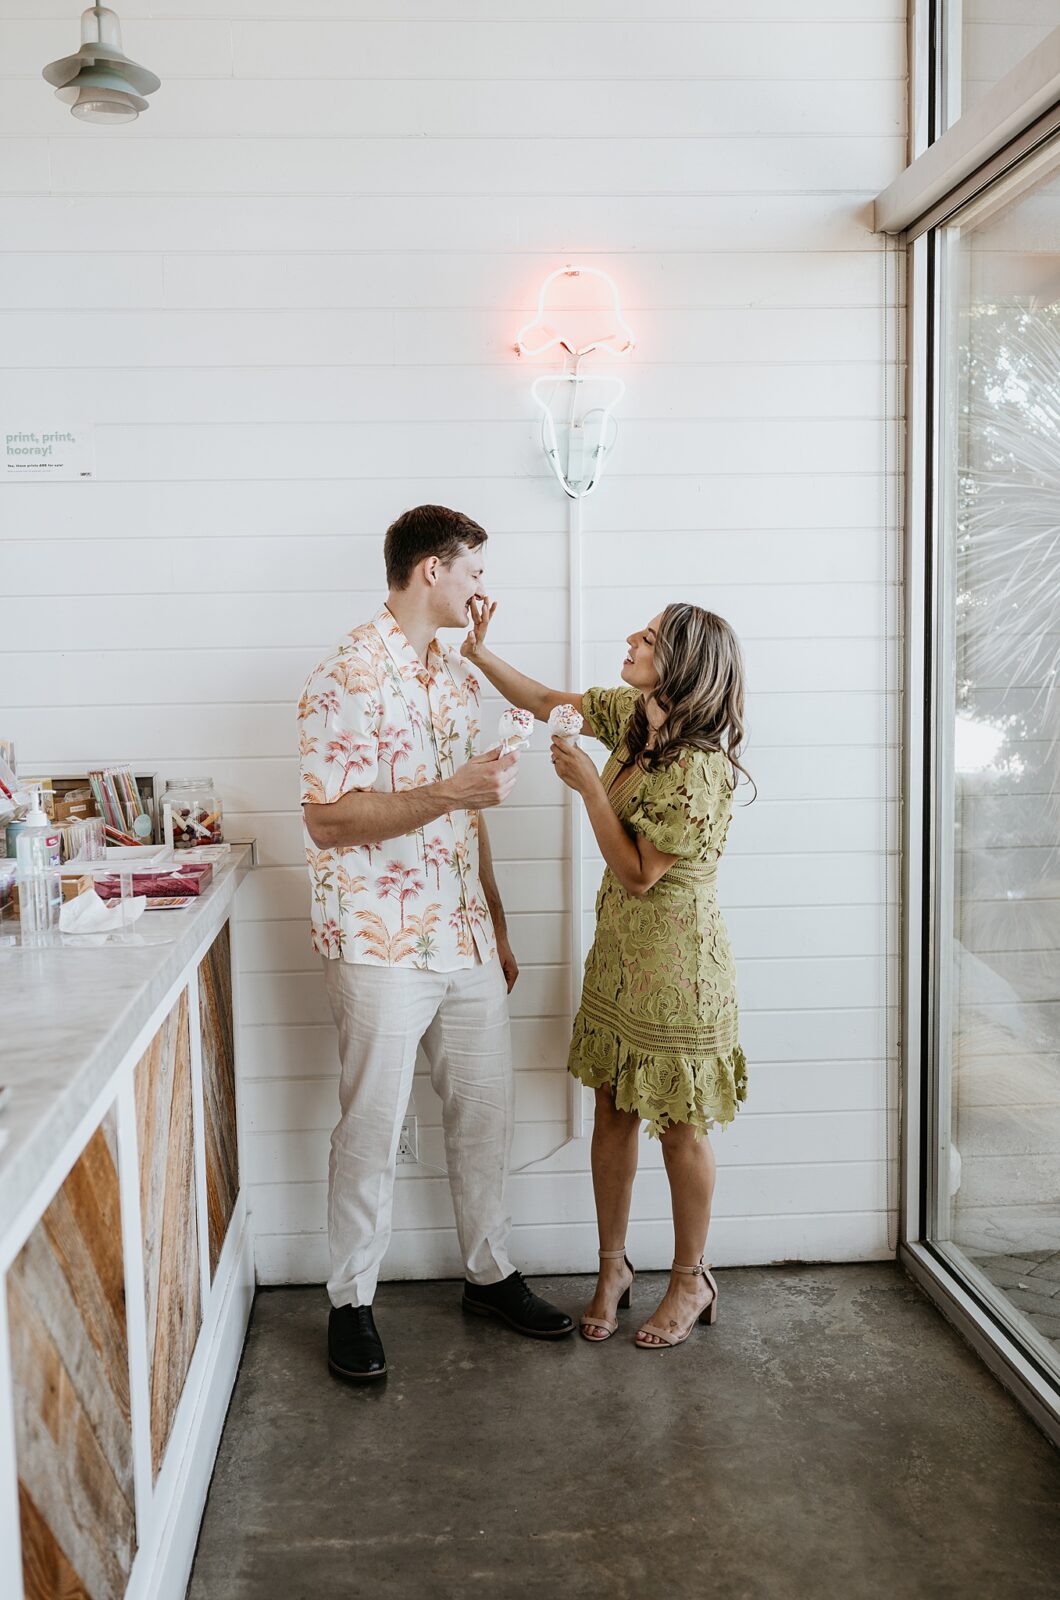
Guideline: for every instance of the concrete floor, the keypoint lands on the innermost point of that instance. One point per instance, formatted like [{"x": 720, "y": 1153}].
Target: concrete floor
[{"x": 831, "y": 1436}]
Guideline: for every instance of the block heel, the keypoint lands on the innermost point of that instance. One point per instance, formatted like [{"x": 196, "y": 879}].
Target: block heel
[{"x": 708, "y": 1315}]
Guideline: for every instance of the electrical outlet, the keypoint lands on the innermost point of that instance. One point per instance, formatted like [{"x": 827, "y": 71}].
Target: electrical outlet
[{"x": 409, "y": 1142}]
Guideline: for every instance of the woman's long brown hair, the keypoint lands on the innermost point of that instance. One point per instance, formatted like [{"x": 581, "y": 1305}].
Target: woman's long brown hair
[{"x": 700, "y": 692}]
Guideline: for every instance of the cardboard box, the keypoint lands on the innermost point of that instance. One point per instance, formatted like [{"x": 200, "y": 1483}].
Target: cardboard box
[
  {"x": 70, "y": 887},
  {"x": 73, "y": 810}
]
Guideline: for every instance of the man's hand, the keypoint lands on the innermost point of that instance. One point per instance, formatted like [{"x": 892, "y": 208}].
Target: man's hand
[
  {"x": 509, "y": 965},
  {"x": 483, "y": 781}
]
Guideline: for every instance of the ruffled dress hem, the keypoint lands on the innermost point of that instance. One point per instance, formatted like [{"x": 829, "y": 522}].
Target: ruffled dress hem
[{"x": 663, "y": 1089}]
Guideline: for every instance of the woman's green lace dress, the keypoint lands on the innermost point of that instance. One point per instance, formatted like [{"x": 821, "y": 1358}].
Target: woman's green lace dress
[{"x": 658, "y": 1020}]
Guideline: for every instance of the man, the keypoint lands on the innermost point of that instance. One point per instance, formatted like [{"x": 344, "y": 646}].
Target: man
[{"x": 408, "y": 919}]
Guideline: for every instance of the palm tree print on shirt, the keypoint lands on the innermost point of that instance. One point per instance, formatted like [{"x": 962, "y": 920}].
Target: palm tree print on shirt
[
  {"x": 460, "y": 923},
  {"x": 436, "y": 856},
  {"x": 390, "y": 949},
  {"x": 423, "y": 927},
  {"x": 327, "y": 701},
  {"x": 349, "y": 753},
  {"x": 476, "y": 912},
  {"x": 459, "y": 863},
  {"x": 348, "y": 889},
  {"x": 400, "y": 883},
  {"x": 394, "y": 746},
  {"x": 320, "y": 865},
  {"x": 328, "y": 938},
  {"x": 354, "y": 677},
  {"x": 414, "y": 780},
  {"x": 374, "y": 717},
  {"x": 418, "y": 724},
  {"x": 447, "y": 736}
]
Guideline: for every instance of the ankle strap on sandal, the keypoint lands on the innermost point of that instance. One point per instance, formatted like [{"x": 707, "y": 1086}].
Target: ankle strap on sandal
[
  {"x": 699, "y": 1270},
  {"x": 612, "y": 1255}
]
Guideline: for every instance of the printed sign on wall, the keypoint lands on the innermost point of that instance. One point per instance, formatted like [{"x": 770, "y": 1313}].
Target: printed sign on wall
[{"x": 45, "y": 454}]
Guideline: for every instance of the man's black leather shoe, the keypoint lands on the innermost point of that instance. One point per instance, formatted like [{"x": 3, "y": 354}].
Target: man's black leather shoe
[
  {"x": 355, "y": 1350},
  {"x": 517, "y": 1305}
]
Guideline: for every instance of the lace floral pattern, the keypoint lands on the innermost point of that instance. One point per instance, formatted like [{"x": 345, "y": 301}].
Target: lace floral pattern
[{"x": 659, "y": 1020}]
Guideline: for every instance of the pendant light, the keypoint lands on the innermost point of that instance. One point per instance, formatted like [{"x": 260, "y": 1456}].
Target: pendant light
[{"x": 100, "y": 84}]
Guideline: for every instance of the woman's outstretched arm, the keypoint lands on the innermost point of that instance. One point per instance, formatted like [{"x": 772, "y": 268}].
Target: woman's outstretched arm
[{"x": 516, "y": 687}]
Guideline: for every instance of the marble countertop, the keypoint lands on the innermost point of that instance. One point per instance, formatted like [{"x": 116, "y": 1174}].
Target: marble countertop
[{"x": 69, "y": 1015}]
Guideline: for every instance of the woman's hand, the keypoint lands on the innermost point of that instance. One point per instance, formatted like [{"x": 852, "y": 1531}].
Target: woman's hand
[
  {"x": 481, "y": 616},
  {"x": 574, "y": 766}
]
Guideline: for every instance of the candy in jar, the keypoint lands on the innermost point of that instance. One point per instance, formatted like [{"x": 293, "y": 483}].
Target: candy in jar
[
  {"x": 565, "y": 723},
  {"x": 195, "y": 807},
  {"x": 514, "y": 729}
]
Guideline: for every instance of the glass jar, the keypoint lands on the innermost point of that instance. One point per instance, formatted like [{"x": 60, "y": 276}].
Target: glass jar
[{"x": 197, "y": 812}]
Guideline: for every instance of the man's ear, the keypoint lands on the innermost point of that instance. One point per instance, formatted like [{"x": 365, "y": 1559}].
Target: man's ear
[{"x": 429, "y": 568}]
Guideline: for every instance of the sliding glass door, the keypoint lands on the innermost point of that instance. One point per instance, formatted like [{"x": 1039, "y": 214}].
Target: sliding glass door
[{"x": 992, "y": 1107}]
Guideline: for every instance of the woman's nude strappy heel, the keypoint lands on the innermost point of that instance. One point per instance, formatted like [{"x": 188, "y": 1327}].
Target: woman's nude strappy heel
[
  {"x": 707, "y": 1315},
  {"x": 624, "y": 1303}
]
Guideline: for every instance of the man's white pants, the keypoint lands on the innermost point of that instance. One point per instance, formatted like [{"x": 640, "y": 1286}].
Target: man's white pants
[{"x": 461, "y": 1018}]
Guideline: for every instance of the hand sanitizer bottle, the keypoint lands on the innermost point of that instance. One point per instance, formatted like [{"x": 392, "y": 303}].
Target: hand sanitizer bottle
[{"x": 39, "y": 890}]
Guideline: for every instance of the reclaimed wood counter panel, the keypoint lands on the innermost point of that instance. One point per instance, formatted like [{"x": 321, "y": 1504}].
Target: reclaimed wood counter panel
[
  {"x": 70, "y": 1371},
  {"x": 164, "y": 1119},
  {"x": 219, "y": 1088}
]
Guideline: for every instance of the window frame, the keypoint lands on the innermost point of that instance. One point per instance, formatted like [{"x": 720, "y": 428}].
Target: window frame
[
  {"x": 949, "y": 168},
  {"x": 990, "y": 156}
]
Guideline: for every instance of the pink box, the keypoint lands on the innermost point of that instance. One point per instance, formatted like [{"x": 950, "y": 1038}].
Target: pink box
[{"x": 192, "y": 879}]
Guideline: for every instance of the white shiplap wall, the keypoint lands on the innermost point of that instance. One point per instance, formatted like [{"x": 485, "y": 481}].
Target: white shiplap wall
[
  {"x": 286, "y": 298},
  {"x": 988, "y": 38}
]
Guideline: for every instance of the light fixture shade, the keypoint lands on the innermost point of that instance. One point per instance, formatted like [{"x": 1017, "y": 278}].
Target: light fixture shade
[
  {"x": 100, "y": 83},
  {"x": 104, "y": 106},
  {"x": 98, "y": 94}
]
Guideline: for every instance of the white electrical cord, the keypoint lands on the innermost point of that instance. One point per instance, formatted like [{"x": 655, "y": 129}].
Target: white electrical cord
[{"x": 577, "y": 865}]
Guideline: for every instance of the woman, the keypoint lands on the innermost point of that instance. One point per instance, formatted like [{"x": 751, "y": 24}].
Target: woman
[{"x": 656, "y": 1033}]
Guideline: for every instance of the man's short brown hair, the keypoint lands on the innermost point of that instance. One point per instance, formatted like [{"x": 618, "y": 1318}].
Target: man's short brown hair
[{"x": 427, "y": 531}]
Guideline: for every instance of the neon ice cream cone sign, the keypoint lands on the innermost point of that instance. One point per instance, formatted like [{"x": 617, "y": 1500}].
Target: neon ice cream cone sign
[{"x": 577, "y": 427}]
